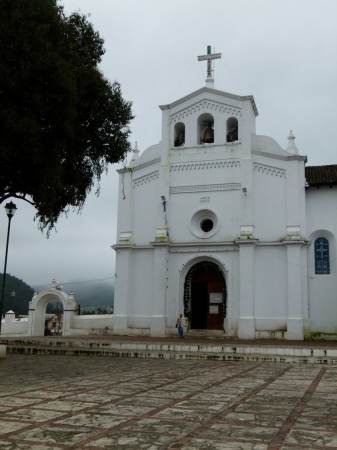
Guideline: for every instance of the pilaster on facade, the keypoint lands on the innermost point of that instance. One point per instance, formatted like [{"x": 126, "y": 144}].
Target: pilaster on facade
[
  {"x": 158, "y": 320},
  {"x": 295, "y": 325},
  {"x": 122, "y": 289},
  {"x": 247, "y": 194},
  {"x": 246, "y": 328}
]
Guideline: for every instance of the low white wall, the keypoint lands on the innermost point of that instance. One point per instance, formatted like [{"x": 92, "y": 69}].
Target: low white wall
[
  {"x": 14, "y": 327},
  {"x": 95, "y": 324}
]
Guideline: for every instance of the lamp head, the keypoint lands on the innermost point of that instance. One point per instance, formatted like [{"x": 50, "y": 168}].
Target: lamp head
[
  {"x": 10, "y": 209},
  {"x": 163, "y": 198}
]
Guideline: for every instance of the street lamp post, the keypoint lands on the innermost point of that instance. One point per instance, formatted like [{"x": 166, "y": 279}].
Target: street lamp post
[
  {"x": 10, "y": 211},
  {"x": 13, "y": 297}
]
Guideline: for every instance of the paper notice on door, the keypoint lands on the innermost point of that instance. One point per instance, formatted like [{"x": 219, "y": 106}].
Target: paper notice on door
[
  {"x": 215, "y": 297},
  {"x": 214, "y": 309}
]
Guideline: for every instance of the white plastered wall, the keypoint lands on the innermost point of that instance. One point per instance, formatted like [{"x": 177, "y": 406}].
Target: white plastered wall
[{"x": 321, "y": 207}]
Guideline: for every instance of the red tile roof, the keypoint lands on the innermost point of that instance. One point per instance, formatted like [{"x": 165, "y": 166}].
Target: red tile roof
[{"x": 321, "y": 175}]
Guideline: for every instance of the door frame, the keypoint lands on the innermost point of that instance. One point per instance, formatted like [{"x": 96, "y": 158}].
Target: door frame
[{"x": 187, "y": 287}]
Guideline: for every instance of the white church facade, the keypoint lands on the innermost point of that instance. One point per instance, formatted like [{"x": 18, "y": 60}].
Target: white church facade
[{"x": 226, "y": 227}]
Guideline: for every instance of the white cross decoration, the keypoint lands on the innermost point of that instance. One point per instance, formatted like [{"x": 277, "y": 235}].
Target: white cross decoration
[{"x": 209, "y": 58}]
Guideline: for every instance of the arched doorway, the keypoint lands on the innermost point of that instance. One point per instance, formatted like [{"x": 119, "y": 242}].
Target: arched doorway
[
  {"x": 205, "y": 296},
  {"x": 38, "y": 305},
  {"x": 54, "y": 318}
]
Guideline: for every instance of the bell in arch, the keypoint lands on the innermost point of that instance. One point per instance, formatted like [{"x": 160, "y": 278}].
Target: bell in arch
[{"x": 208, "y": 137}]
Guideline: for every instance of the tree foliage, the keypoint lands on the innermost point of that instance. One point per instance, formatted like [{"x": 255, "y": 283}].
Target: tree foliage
[
  {"x": 61, "y": 121},
  {"x": 23, "y": 295}
]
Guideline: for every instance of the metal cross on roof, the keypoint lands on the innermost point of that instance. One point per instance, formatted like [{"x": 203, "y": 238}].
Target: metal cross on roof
[{"x": 209, "y": 58}]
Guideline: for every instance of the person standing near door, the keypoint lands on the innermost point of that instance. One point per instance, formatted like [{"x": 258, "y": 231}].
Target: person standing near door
[{"x": 181, "y": 324}]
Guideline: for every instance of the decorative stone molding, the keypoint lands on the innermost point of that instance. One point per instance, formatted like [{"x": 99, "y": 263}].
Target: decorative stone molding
[
  {"x": 146, "y": 179},
  {"x": 269, "y": 170},
  {"x": 147, "y": 164},
  {"x": 196, "y": 221},
  {"x": 293, "y": 233},
  {"x": 205, "y": 105},
  {"x": 205, "y": 188},
  {"x": 160, "y": 235},
  {"x": 246, "y": 230},
  {"x": 205, "y": 165},
  {"x": 124, "y": 237}
]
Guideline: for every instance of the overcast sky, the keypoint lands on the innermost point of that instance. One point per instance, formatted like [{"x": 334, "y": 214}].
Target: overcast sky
[{"x": 281, "y": 52}]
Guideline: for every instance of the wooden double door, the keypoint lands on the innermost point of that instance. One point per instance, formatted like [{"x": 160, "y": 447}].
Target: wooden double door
[{"x": 207, "y": 299}]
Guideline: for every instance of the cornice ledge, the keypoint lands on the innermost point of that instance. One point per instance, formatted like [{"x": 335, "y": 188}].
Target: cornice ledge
[
  {"x": 159, "y": 244},
  {"x": 124, "y": 170},
  {"x": 272, "y": 243},
  {"x": 131, "y": 246},
  {"x": 202, "y": 244},
  {"x": 141, "y": 166},
  {"x": 147, "y": 164},
  {"x": 282, "y": 158},
  {"x": 212, "y": 91},
  {"x": 247, "y": 241},
  {"x": 296, "y": 242}
]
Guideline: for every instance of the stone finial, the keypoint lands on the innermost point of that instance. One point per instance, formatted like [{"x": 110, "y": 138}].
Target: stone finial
[
  {"x": 135, "y": 153},
  {"x": 291, "y": 147},
  {"x": 210, "y": 83},
  {"x": 53, "y": 284}
]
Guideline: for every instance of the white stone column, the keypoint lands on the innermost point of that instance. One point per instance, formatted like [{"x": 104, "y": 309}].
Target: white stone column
[
  {"x": 69, "y": 314},
  {"x": 125, "y": 205},
  {"x": 122, "y": 290},
  {"x": 246, "y": 320},
  {"x": 247, "y": 198},
  {"x": 158, "y": 320},
  {"x": 295, "y": 318}
]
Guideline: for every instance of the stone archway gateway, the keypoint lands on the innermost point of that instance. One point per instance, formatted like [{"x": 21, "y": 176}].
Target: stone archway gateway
[
  {"x": 37, "y": 309},
  {"x": 205, "y": 296}
]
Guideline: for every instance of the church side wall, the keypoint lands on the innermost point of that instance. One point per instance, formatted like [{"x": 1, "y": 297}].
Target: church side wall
[
  {"x": 233, "y": 291},
  {"x": 270, "y": 288},
  {"x": 321, "y": 207},
  {"x": 270, "y": 210},
  {"x": 182, "y": 208},
  {"x": 146, "y": 207},
  {"x": 140, "y": 304},
  {"x": 184, "y": 203},
  {"x": 124, "y": 204}
]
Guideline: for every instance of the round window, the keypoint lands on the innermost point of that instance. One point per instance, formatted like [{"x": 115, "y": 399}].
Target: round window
[
  {"x": 204, "y": 223},
  {"x": 207, "y": 225}
]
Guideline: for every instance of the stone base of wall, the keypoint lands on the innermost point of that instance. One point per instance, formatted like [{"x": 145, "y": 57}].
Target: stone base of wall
[{"x": 3, "y": 348}]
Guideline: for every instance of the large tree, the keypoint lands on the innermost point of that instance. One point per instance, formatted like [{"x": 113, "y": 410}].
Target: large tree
[{"x": 61, "y": 121}]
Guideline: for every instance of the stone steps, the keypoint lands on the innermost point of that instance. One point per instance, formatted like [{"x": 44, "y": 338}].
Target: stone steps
[
  {"x": 207, "y": 334},
  {"x": 173, "y": 350}
]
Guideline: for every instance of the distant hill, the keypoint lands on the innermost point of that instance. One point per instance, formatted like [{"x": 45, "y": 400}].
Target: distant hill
[
  {"x": 97, "y": 294},
  {"x": 23, "y": 295}
]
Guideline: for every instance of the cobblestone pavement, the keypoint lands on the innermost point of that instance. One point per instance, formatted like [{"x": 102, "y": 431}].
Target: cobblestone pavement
[{"x": 116, "y": 403}]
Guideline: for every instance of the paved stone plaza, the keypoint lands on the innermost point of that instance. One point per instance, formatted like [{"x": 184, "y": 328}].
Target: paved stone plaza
[{"x": 120, "y": 403}]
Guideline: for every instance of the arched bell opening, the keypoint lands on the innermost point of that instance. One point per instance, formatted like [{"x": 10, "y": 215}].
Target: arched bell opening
[
  {"x": 179, "y": 134},
  {"x": 232, "y": 130},
  {"x": 205, "y": 296},
  {"x": 205, "y": 129}
]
